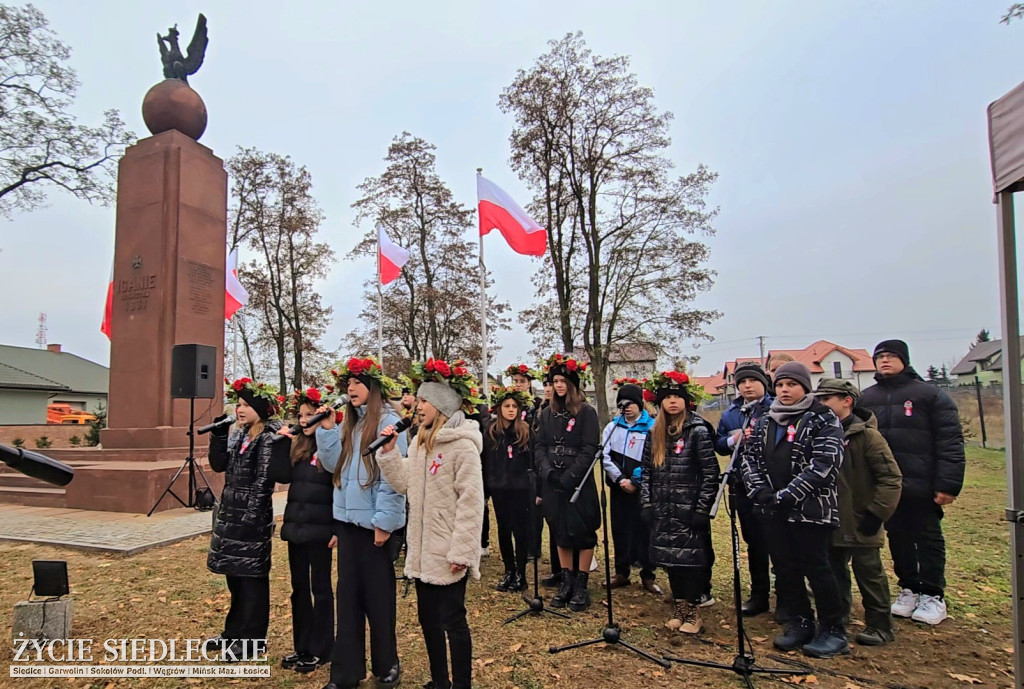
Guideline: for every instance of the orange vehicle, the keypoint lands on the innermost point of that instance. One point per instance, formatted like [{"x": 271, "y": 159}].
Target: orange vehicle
[{"x": 65, "y": 414}]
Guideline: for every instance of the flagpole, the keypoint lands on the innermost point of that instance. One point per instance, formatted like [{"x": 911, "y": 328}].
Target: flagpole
[
  {"x": 380, "y": 307},
  {"x": 484, "y": 383}
]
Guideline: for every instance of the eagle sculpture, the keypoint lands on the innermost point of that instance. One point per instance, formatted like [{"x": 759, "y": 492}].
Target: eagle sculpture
[{"x": 176, "y": 65}]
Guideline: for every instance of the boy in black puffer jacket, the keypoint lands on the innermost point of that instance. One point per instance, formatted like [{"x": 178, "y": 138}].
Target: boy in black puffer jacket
[
  {"x": 921, "y": 424},
  {"x": 790, "y": 466}
]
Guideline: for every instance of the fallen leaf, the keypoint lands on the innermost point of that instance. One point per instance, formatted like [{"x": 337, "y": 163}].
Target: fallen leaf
[
  {"x": 851, "y": 685},
  {"x": 162, "y": 599},
  {"x": 760, "y": 639},
  {"x": 515, "y": 647},
  {"x": 209, "y": 601},
  {"x": 964, "y": 678},
  {"x": 556, "y": 675},
  {"x": 105, "y": 564},
  {"x": 507, "y": 669},
  {"x": 487, "y": 661},
  {"x": 811, "y": 679},
  {"x": 658, "y": 673},
  {"x": 988, "y": 589}
]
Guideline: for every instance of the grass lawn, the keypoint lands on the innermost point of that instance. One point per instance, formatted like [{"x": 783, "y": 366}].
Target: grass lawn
[{"x": 168, "y": 593}]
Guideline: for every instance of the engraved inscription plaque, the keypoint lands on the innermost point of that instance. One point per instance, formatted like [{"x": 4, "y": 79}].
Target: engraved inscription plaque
[{"x": 201, "y": 288}]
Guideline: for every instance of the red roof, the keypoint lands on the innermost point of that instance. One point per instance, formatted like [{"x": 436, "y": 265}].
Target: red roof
[
  {"x": 713, "y": 385},
  {"x": 813, "y": 355}
]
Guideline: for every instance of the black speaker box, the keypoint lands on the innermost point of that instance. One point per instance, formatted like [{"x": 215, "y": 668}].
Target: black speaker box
[{"x": 194, "y": 371}]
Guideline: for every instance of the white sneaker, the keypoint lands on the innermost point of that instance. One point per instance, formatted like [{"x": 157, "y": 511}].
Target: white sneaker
[
  {"x": 931, "y": 610},
  {"x": 906, "y": 603}
]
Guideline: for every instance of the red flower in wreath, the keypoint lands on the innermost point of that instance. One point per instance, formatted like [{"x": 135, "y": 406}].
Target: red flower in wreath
[
  {"x": 280, "y": 399},
  {"x": 314, "y": 395},
  {"x": 443, "y": 368},
  {"x": 367, "y": 364},
  {"x": 678, "y": 377},
  {"x": 429, "y": 365},
  {"x": 240, "y": 383},
  {"x": 523, "y": 369},
  {"x": 460, "y": 370},
  {"x": 570, "y": 365},
  {"x": 355, "y": 366},
  {"x": 649, "y": 396}
]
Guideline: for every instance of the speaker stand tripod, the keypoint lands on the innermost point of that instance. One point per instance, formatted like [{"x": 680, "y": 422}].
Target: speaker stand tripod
[
  {"x": 189, "y": 463},
  {"x": 612, "y": 633}
]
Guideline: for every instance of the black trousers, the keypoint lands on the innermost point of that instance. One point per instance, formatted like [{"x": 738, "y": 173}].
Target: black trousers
[
  {"x": 366, "y": 593},
  {"x": 711, "y": 560},
  {"x": 312, "y": 598},
  {"x": 631, "y": 536},
  {"x": 249, "y": 614},
  {"x": 801, "y": 551},
  {"x": 687, "y": 583},
  {"x": 513, "y": 514},
  {"x": 536, "y": 527},
  {"x": 485, "y": 532},
  {"x": 442, "y": 614},
  {"x": 752, "y": 530},
  {"x": 917, "y": 546}
]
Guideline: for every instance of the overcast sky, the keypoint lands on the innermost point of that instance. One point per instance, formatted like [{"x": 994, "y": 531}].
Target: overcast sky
[{"x": 850, "y": 139}]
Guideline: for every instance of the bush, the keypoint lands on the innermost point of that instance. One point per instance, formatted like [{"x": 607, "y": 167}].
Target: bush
[
  {"x": 43, "y": 442},
  {"x": 75, "y": 441},
  {"x": 18, "y": 442},
  {"x": 92, "y": 438}
]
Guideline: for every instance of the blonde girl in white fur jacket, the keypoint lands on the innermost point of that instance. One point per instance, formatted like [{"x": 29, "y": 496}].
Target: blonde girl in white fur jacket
[{"x": 443, "y": 481}]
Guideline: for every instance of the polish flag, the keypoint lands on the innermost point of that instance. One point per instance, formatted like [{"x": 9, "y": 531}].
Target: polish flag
[
  {"x": 498, "y": 210},
  {"x": 235, "y": 296},
  {"x": 390, "y": 257},
  {"x": 109, "y": 308}
]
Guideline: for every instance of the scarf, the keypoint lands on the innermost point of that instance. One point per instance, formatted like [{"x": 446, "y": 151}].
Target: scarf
[{"x": 782, "y": 414}]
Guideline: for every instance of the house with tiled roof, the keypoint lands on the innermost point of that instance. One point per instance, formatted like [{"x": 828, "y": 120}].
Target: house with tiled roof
[
  {"x": 31, "y": 379},
  {"x": 713, "y": 385},
  {"x": 983, "y": 363},
  {"x": 824, "y": 359}
]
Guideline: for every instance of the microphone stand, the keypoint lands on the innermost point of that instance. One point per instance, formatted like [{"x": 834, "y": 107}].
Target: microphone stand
[
  {"x": 612, "y": 633},
  {"x": 744, "y": 663},
  {"x": 536, "y": 604}
]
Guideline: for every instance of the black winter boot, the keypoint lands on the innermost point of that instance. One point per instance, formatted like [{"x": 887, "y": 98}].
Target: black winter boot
[
  {"x": 561, "y": 599},
  {"x": 580, "y": 595},
  {"x": 799, "y": 631},
  {"x": 520, "y": 583},
  {"x": 506, "y": 582},
  {"x": 830, "y": 642}
]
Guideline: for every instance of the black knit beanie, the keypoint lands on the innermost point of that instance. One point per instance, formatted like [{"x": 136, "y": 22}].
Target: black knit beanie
[
  {"x": 794, "y": 370},
  {"x": 631, "y": 393},
  {"x": 749, "y": 369},
  {"x": 258, "y": 404},
  {"x": 897, "y": 347}
]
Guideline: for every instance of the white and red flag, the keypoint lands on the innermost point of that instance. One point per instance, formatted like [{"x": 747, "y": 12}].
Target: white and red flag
[
  {"x": 108, "y": 309},
  {"x": 498, "y": 210},
  {"x": 235, "y": 296},
  {"x": 390, "y": 257}
]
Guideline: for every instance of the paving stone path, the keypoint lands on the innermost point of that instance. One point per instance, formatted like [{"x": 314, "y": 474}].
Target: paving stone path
[{"x": 113, "y": 532}]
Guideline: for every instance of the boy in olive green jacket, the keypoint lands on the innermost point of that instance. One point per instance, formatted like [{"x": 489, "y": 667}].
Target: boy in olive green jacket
[{"x": 869, "y": 490}]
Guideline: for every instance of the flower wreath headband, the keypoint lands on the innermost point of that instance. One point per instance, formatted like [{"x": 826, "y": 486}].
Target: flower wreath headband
[
  {"x": 455, "y": 375},
  {"x": 570, "y": 364},
  {"x": 500, "y": 394},
  {"x": 523, "y": 370},
  {"x": 262, "y": 391},
  {"x": 364, "y": 366},
  {"x": 675, "y": 380},
  {"x": 311, "y": 396}
]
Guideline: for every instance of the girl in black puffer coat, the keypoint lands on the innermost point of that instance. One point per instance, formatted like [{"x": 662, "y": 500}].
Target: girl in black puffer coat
[
  {"x": 240, "y": 545},
  {"x": 307, "y": 530},
  {"x": 507, "y": 469},
  {"x": 679, "y": 482}
]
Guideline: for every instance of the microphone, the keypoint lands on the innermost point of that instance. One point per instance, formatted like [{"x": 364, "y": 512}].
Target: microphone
[
  {"x": 36, "y": 465},
  {"x": 385, "y": 439},
  {"x": 226, "y": 421},
  {"x": 315, "y": 419}
]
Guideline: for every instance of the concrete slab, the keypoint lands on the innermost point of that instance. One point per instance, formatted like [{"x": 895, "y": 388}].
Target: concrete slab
[{"x": 109, "y": 532}]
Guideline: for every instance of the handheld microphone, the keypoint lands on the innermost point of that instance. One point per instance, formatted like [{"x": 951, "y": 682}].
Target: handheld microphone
[
  {"x": 315, "y": 419},
  {"x": 226, "y": 421},
  {"x": 36, "y": 465},
  {"x": 385, "y": 439}
]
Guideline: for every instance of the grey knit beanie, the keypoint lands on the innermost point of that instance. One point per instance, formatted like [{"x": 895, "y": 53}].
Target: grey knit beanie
[
  {"x": 444, "y": 399},
  {"x": 794, "y": 370}
]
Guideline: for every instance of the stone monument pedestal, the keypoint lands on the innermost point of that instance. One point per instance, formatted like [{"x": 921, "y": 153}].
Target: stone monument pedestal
[{"x": 42, "y": 619}]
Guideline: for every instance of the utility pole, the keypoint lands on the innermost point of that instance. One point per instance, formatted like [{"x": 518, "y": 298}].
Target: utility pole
[{"x": 760, "y": 342}]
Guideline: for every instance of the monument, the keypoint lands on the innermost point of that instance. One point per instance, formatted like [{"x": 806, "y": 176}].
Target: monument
[{"x": 169, "y": 257}]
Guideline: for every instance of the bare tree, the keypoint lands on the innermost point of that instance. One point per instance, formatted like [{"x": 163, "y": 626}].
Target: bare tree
[
  {"x": 274, "y": 212},
  {"x": 591, "y": 144},
  {"x": 433, "y": 308},
  {"x": 41, "y": 143}
]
